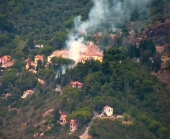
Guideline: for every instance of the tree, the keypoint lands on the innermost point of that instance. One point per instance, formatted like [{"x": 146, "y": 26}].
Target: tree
[
  {"x": 3, "y": 39},
  {"x": 25, "y": 50},
  {"x": 56, "y": 115},
  {"x": 59, "y": 39},
  {"x": 9, "y": 77},
  {"x": 134, "y": 15},
  {"x": 162, "y": 132},
  {"x": 82, "y": 116},
  {"x": 40, "y": 65},
  {"x": 137, "y": 88},
  {"x": 46, "y": 74},
  {"x": 156, "y": 62},
  {"x": 147, "y": 85},
  {"x": 145, "y": 57},
  {"x": 46, "y": 50},
  {"x": 154, "y": 126},
  {"x": 30, "y": 43},
  {"x": 19, "y": 64},
  {"x": 19, "y": 55}
]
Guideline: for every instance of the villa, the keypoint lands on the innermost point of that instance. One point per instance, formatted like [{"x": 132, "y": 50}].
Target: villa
[
  {"x": 107, "y": 111},
  {"x": 58, "y": 53},
  {"x": 76, "y": 84},
  {"x": 73, "y": 125},
  {"x": 6, "y": 61},
  {"x": 38, "y": 57},
  {"x": 63, "y": 119}
]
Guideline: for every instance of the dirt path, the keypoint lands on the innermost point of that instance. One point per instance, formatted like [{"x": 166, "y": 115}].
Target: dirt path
[{"x": 85, "y": 135}]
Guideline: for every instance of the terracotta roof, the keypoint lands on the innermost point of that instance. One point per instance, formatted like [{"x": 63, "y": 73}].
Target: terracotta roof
[
  {"x": 9, "y": 64},
  {"x": 93, "y": 54},
  {"x": 39, "y": 56},
  {"x": 2, "y": 58},
  {"x": 63, "y": 116},
  {"x": 75, "y": 83},
  {"x": 105, "y": 107},
  {"x": 72, "y": 121},
  {"x": 29, "y": 91}
]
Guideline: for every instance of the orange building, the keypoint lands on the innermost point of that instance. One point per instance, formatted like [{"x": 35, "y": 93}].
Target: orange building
[
  {"x": 63, "y": 119},
  {"x": 38, "y": 57},
  {"x": 73, "y": 125},
  {"x": 7, "y": 58},
  {"x": 92, "y": 52},
  {"x": 58, "y": 53},
  {"x": 90, "y": 56},
  {"x": 76, "y": 84}
]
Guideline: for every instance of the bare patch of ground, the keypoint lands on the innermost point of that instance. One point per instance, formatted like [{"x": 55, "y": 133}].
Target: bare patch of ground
[{"x": 162, "y": 76}]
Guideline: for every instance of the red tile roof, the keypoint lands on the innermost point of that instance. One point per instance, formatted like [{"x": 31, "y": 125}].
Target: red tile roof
[
  {"x": 105, "y": 107},
  {"x": 28, "y": 91},
  {"x": 93, "y": 54},
  {"x": 72, "y": 121},
  {"x": 76, "y": 83},
  {"x": 39, "y": 56},
  {"x": 63, "y": 116}
]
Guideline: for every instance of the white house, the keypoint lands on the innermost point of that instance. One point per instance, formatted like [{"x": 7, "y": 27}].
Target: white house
[
  {"x": 39, "y": 46},
  {"x": 107, "y": 111}
]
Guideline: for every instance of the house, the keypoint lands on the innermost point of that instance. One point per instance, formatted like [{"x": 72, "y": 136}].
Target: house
[
  {"x": 159, "y": 49},
  {"x": 8, "y": 64},
  {"x": 58, "y": 53},
  {"x": 91, "y": 55},
  {"x": 73, "y": 125},
  {"x": 28, "y": 63},
  {"x": 63, "y": 119},
  {"x": 107, "y": 111},
  {"x": 7, "y": 58},
  {"x": 6, "y": 61},
  {"x": 38, "y": 57},
  {"x": 76, "y": 84},
  {"x": 2, "y": 60},
  {"x": 92, "y": 52},
  {"x": 39, "y": 46},
  {"x": 27, "y": 92}
]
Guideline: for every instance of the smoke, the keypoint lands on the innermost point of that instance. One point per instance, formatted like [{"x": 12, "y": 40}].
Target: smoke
[{"x": 103, "y": 15}]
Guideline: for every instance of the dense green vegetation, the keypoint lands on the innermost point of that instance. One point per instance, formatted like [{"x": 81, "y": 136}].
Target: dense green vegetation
[
  {"x": 115, "y": 129},
  {"x": 126, "y": 86},
  {"x": 118, "y": 81}
]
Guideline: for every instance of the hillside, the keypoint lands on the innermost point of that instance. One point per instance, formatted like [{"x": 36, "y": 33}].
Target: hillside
[{"x": 53, "y": 65}]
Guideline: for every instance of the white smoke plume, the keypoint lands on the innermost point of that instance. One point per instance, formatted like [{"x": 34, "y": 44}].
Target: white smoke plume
[{"x": 109, "y": 12}]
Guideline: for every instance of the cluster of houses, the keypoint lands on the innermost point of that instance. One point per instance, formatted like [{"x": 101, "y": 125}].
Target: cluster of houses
[
  {"x": 75, "y": 84},
  {"x": 87, "y": 52},
  {"x": 34, "y": 64},
  {"x": 6, "y": 61},
  {"x": 106, "y": 112}
]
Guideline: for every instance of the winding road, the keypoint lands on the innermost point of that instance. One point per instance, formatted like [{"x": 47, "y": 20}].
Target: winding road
[{"x": 85, "y": 134}]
